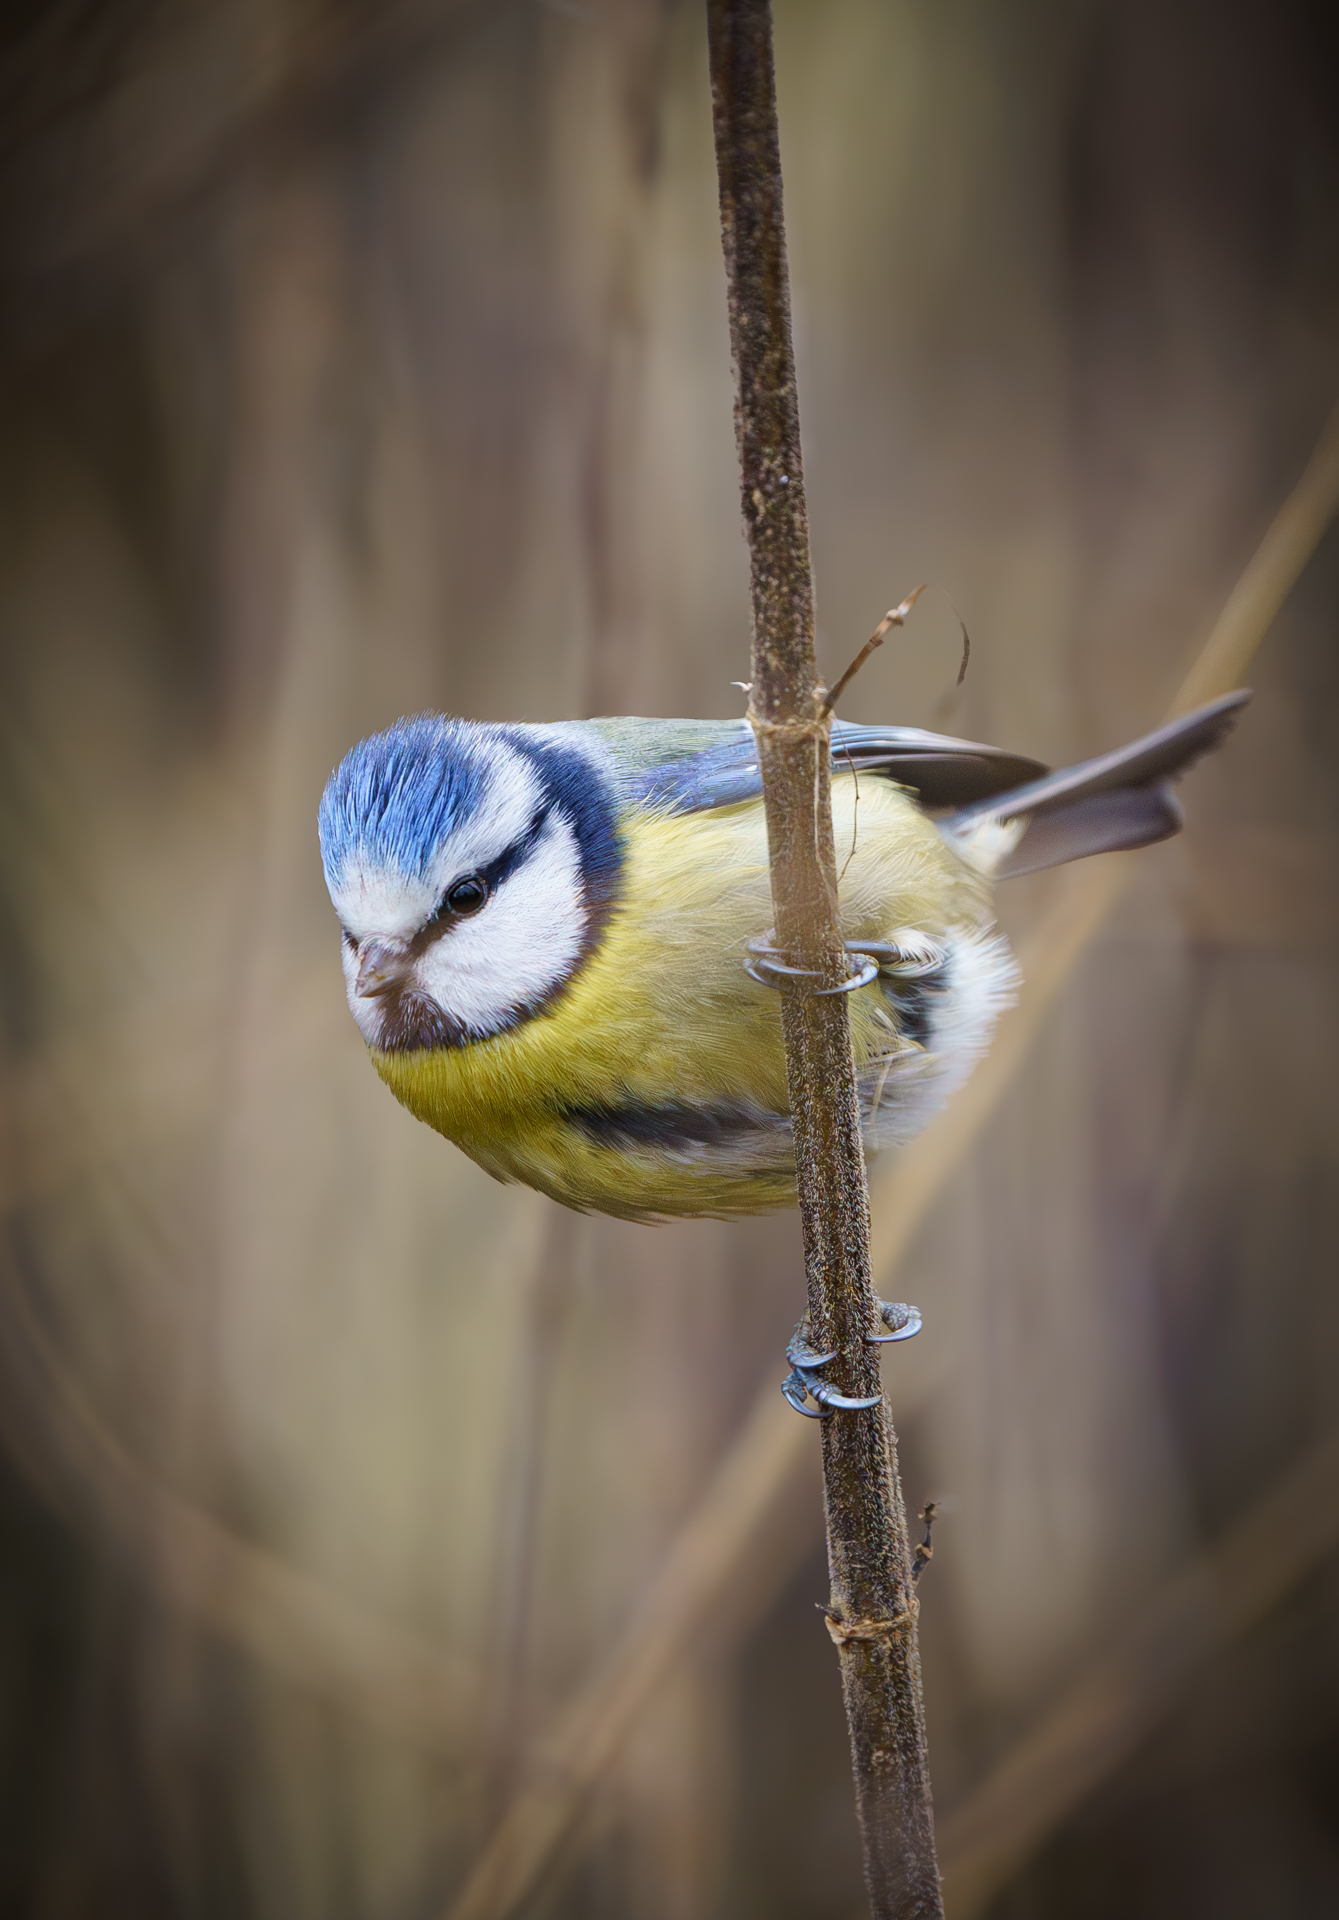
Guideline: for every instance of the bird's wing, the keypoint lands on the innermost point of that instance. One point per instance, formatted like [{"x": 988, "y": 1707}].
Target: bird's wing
[
  {"x": 943, "y": 772},
  {"x": 1122, "y": 799},
  {"x": 690, "y": 766}
]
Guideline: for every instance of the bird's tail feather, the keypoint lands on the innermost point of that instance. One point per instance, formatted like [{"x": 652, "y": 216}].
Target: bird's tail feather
[{"x": 1122, "y": 799}]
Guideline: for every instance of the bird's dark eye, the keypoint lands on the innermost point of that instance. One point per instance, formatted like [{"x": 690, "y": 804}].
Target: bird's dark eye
[{"x": 467, "y": 895}]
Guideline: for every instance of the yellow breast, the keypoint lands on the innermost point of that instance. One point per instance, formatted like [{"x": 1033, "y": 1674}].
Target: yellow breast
[{"x": 662, "y": 1014}]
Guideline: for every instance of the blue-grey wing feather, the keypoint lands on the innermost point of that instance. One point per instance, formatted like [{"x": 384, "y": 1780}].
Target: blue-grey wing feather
[{"x": 694, "y": 766}]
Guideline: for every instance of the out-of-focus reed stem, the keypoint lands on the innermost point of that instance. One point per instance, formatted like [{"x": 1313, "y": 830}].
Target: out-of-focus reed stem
[
  {"x": 548, "y": 1299},
  {"x": 588, "y": 1737},
  {"x": 872, "y": 1608},
  {"x": 758, "y": 1471},
  {"x": 1294, "y": 534},
  {"x": 916, "y": 1176},
  {"x": 295, "y": 1624},
  {"x": 1136, "y": 1683}
]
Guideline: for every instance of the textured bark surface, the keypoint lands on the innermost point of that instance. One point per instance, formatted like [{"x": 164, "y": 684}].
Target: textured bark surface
[{"x": 872, "y": 1606}]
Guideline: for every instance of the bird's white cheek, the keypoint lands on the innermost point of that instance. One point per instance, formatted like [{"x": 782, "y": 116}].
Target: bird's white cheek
[{"x": 522, "y": 946}]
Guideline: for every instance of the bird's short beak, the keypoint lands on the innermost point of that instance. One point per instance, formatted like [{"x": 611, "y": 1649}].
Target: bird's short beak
[{"x": 381, "y": 969}]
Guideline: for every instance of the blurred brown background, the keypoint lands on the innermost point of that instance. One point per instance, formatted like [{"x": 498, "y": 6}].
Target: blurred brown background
[{"x": 358, "y": 358}]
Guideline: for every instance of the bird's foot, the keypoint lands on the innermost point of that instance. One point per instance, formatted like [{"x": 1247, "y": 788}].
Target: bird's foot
[
  {"x": 909, "y": 955},
  {"x": 805, "y": 1380},
  {"x": 771, "y": 966}
]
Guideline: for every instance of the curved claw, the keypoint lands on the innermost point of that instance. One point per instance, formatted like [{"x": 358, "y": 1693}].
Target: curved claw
[
  {"x": 760, "y": 959},
  {"x": 803, "y": 1357},
  {"x": 902, "y": 1321},
  {"x": 829, "y": 1398},
  {"x": 795, "y": 1387},
  {"x": 869, "y": 971},
  {"x": 767, "y": 966},
  {"x": 910, "y": 957}
]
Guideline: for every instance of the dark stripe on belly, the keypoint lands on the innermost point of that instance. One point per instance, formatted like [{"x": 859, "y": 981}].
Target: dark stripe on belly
[{"x": 675, "y": 1125}]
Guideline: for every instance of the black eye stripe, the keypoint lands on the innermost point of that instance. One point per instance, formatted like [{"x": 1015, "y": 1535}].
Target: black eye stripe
[
  {"x": 517, "y": 853},
  {"x": 492, "y": 876}
]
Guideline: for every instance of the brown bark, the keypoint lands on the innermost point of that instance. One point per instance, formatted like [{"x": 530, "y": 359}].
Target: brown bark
[{"x": 872, "y": 1612}]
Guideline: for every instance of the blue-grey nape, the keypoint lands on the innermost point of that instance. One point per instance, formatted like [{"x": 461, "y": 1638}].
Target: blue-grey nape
[{"x": 399, "y": 794}]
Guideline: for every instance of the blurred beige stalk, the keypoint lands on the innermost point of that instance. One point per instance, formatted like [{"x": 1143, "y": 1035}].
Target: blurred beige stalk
[
  {"x": 302, "y": 1627},
  {"x": 1140, "y": 1679}
]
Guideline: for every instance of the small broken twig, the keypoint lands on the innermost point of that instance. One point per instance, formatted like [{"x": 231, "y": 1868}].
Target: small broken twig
[
  {"x": 924, "y": 1552},
  {"x": 895, "y": 617}
]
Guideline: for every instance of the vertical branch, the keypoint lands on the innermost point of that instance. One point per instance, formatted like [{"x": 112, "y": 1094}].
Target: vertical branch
[{"x": 872, "y": 1613}]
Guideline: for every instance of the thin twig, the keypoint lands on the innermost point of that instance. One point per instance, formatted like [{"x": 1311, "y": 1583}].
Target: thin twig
[
  {"x": 925, "y": 1551},
  {"x": 872, "y": 1609},
  {"x": 762, "y": 1465},
  {"x": 895, "y": 617}
]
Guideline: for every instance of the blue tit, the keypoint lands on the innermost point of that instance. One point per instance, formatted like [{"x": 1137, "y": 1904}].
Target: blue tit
[{"x": 546, "y": 931}]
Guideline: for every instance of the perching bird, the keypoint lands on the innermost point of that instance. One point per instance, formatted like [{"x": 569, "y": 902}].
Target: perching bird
[{"x": 547, "y": 930}]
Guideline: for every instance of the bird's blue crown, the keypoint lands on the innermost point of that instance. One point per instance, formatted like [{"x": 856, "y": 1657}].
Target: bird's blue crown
[{"x": 397, "y": 796}]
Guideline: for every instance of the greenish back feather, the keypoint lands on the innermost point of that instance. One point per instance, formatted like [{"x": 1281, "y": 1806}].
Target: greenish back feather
[{"x": 635, "y": 745}]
